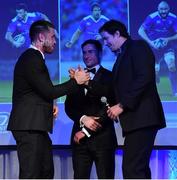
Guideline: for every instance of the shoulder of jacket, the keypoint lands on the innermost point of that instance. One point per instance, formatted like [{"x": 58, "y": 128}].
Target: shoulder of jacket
[
  {"x": 138, "y": 42},
  {"x": 31, "y": 54},
  {"x": 105, "y": 70}
]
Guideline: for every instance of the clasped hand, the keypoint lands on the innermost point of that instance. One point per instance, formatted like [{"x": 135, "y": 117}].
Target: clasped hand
[
  {"x": 114, "y": 112},
  {"x": 91, "y": 122},
  {"x": 80, "y": 75},
  {"x": 78, "y": 136}
]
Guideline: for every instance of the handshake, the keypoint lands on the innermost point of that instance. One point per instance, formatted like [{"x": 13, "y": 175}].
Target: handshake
[{"x": 80, "y": 75}]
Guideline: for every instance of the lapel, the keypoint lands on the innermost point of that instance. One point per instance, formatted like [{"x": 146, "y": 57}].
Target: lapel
[
  {"x": 120, "y": 59},
  {"x": 97, "y": 77},
  {"x": 117, "y": 64},
  {"x": 98, "y": 74},
  {"x": 82, "y": 91}
]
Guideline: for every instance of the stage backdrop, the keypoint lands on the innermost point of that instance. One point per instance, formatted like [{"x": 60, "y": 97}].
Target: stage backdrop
[{"x": 66, "y": 15}]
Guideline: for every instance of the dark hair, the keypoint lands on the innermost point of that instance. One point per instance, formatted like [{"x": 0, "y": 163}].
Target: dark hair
[
  {"x": 38, "y": 27},
  {"x": 21, "y": 6},
  {"x": 96, "y": 43},
  {"x": 112, "y": 26},
  {"x": 95, "y": 4}
]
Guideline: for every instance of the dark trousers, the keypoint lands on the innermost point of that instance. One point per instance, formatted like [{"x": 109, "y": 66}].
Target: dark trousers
[
  {"x": 137, "y": 150},
  {"x": 34, "y": 149},
  {"x": 83, "y": 158}
]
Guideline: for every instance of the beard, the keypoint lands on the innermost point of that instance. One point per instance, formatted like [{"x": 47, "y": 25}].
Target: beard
[
  {"x": 164, "y": 15},
  {"x": 48, "y": 49}
]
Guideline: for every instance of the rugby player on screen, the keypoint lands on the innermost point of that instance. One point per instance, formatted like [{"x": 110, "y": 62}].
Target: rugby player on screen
[
  {"x": 18, "y": 29},
  {"x": 89, "y": 26},
  {"x": 160, "y": 30}
]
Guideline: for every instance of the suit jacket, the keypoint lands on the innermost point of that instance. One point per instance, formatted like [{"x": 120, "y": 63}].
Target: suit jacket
[
  {"x": 135, "y": 87},
  {"x": 79, "y": 104},
  {"x": 33, "y": 93}
]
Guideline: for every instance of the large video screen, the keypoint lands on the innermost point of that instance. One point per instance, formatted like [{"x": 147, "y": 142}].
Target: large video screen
[
  {"x": 67, "y": 16},
  {"x": 151, "y": 18},
  {"x": 71, "y": 18},
  {"x": 144, "y": 18},
  {"x": 11, "y": 28}
]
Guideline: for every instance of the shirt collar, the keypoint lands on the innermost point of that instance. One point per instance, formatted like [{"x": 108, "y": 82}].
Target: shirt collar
[
  {"x": 34, "y": 47},
  {"x": 124, "y": 45},
  {"x": 96, "y": 67}
]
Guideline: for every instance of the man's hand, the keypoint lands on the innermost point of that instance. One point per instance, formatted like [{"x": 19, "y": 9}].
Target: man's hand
[
  {"x": 69, "y": 44},
  {"x": 154, "y": 44},
  {"x": 18, "y": 40},
  {"x": 157, "y": 67},
  {"x": 55, "y": 111},
  {"x": 71, "y": 72},
  {"x": 81, "y": 76},
  {"x": 78, "y": 136},
  {"x": 91, "y": 122},
  {"x": 164, "y": 42},
  {"x": 114, "y": 111},
  {"x": 17, "y": 44},
  {"x": 98, "y": 37},
  {"x": 159, "y": 43}
]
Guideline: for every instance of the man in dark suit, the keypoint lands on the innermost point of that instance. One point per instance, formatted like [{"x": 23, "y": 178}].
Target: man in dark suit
[
  {"x": 137, "y": 101},
  {"x": 93, "y": 136},
  {"x": 32, "y": 108}
]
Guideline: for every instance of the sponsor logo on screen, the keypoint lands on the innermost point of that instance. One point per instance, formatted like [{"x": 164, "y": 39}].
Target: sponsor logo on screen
[{"x": 4, "y": 117}]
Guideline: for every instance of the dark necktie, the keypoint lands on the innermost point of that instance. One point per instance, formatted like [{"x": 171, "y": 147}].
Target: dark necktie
[{"x": 92, "y": 70}]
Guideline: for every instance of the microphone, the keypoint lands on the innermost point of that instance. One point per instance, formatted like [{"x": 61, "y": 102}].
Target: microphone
[{"x": 104, "y": 101}]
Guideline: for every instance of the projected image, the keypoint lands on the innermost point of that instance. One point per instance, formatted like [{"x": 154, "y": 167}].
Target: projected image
[
  {"x": 14, "y": 37},
  {"x": 18, "y": 29},
  {"x": 81, "y": 20},
  {"x": 158, "y": 26}
]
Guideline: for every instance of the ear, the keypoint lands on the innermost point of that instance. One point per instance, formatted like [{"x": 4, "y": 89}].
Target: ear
[
  {"x": 117, "y": 33},
  {"x": 41, "y": 37}
]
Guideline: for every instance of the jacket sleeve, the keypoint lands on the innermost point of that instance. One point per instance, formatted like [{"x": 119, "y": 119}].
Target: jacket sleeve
[
  {"x": 73, "y": 108},
  {"x": 37, "y": 76},
  {"x": 103, "y": 87}
]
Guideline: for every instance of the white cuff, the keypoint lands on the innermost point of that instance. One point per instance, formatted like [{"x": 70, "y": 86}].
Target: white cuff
[
  {"x": 80, "y": 121},
  {"x": 86, "y": 132}
]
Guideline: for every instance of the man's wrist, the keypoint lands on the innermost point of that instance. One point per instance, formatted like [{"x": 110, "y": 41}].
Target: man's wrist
[
  {"x": 71, "y": 42},
  {"x": 14, "y": 43},
  {"x": 81, "y": 122},
  {"x": 85, "y": 132},
  {"x": 121, "y": 105}
]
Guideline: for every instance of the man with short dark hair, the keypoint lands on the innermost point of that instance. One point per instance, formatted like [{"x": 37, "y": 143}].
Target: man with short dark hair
[
  {"x": 137, "y": 101},
  {"x": 31, "y": 117},
  {"x": 18, "y": 29},
  {"x": 93, "y": 136},
  {"x": 89, "y": 26}
]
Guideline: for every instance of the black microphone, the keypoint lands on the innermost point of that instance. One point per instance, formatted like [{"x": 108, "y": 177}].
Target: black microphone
[{"x": 104, "y": 101}]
